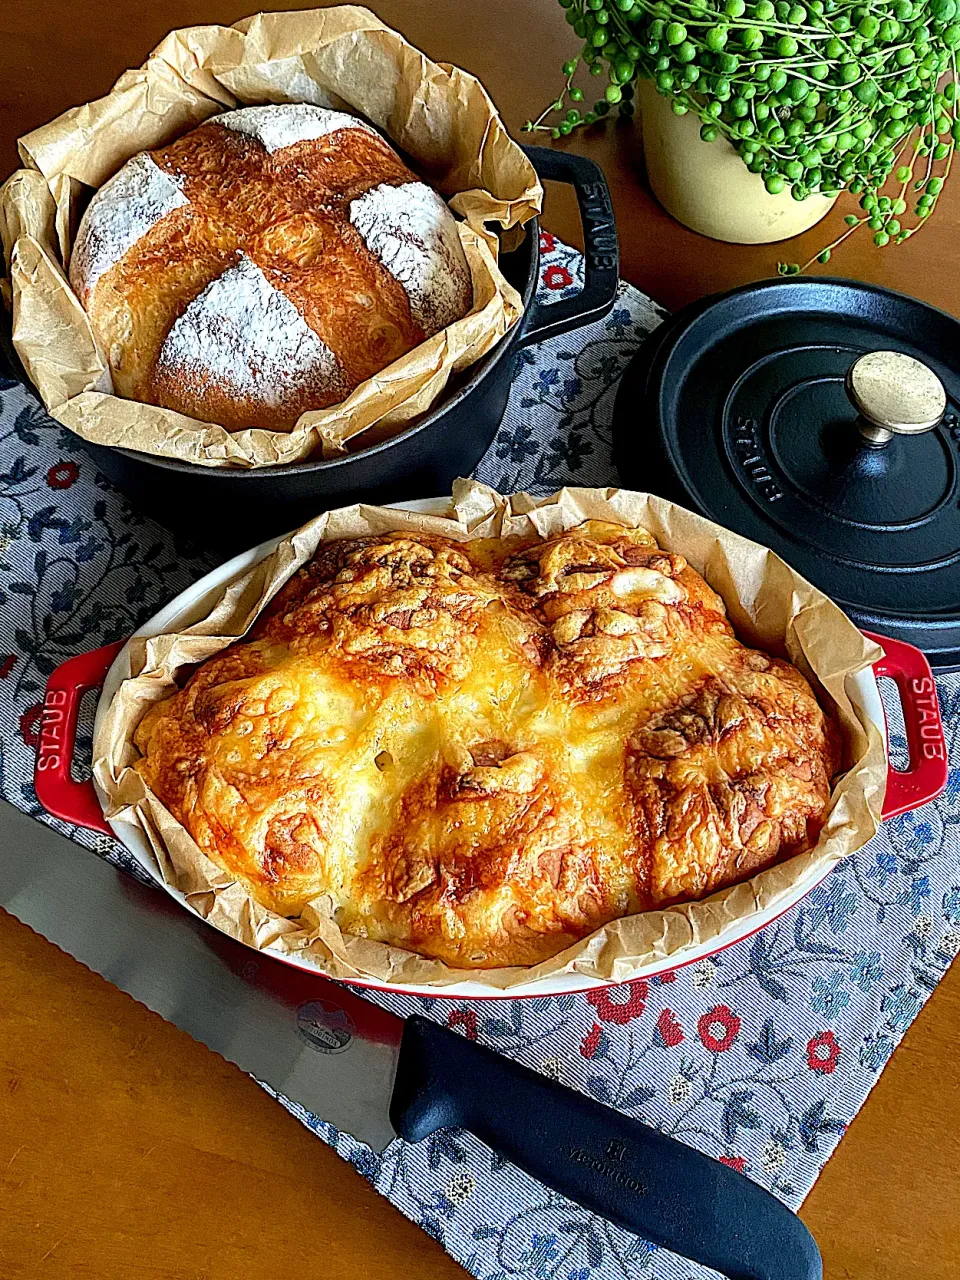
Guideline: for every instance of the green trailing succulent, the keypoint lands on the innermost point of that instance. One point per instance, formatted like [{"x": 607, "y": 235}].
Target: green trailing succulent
[{"x": 821, "y": 96}]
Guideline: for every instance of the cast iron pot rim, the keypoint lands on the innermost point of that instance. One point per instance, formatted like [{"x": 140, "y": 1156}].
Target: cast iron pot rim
[
  {"x": 693, "y": 311},
  {"x": 486, "y": 366}
]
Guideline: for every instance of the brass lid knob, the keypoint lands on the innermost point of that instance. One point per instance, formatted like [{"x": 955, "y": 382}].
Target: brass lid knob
[{"x": 894, "y": 395}]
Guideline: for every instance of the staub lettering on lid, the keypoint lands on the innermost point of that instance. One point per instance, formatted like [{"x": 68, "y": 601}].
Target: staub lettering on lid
[{"x": 746, "y": 442}]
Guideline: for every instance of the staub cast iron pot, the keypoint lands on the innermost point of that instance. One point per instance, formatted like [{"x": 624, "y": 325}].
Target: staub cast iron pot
[
  {"x": 821, "y": 418},
  {"x": 233, "y": 507}
]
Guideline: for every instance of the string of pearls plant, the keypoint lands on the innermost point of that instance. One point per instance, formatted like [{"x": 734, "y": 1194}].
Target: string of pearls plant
[{"x": 821, "y": 96}]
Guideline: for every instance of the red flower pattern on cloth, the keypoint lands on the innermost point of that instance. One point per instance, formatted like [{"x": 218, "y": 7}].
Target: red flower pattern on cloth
[
  {"x": 465, "y": 1018},
  {"x": 62, "y": 475},
  {"x": 620, "y": 1004},
  {"x": 591, "y": 1041},
  {"x": 30, "y": 725},
  {"x": 823, "y": 1052},
  {"x": 669, "y": 1029},
  {"x": 548, "y": 242},
  {"x": 669, "y": 976},
  {"x": 734, "y": 1162},
  {"x": 557, "y": 277},
  {"x": 7, "y": 663},
  {"x": 718, "y": 1028}
]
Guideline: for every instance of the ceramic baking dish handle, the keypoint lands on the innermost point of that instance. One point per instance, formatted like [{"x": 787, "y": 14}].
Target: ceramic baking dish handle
[
  {"x": 600, "y": 250},
  {"x": 58, "y": 792},
  {"x": 77, "y": 802},
  {"x": 926, "y": 775}
]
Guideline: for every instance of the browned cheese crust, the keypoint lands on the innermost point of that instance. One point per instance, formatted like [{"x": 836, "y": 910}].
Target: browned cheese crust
[{"x": 483, "y": 752}]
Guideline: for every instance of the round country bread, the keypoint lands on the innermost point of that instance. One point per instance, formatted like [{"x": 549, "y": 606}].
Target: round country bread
[{"x": 265, "y": 264}]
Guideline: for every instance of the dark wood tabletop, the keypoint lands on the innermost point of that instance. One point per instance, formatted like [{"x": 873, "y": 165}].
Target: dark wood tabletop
[{"x": 129, "y": 1150}]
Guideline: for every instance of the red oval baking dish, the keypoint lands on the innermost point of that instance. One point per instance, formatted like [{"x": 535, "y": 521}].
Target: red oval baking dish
[{"x": 923, "y": 780}]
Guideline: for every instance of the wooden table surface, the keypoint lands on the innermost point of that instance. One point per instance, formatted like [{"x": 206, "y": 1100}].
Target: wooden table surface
[{"x": 129, "y": 1151}]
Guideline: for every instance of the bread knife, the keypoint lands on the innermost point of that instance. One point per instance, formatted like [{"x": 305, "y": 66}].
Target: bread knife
[{"x": 379, "y": 1076}]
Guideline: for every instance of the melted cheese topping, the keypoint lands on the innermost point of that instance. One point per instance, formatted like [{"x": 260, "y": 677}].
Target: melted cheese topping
[{"x": 483, "y": 752}]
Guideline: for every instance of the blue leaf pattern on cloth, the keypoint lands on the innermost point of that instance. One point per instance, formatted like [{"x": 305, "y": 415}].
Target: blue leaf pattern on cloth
[{"x": 760, "y": 1055}]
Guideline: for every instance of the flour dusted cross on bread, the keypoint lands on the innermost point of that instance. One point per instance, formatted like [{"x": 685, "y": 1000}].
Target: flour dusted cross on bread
[
  {"x": 242, "y": 337},
  {"x": 283, "y": 125},
  {"x": 127, "y": 207},
  {"x": 410, "y": 231},
  {"x": 265, "y": 264}
]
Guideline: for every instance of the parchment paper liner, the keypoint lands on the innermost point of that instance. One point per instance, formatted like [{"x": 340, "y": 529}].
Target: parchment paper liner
[
  {"x": 770, "y": 606},
  {"x": 342, "y": 57}
]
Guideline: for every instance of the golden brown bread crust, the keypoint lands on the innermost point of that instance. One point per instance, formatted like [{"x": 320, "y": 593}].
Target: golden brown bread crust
[
  {"x": 287, "y": 212},
  {"x": 484, "y": 752}
]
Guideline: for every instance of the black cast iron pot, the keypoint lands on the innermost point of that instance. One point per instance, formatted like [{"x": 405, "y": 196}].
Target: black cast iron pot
[{"x": 232, "y": 507}]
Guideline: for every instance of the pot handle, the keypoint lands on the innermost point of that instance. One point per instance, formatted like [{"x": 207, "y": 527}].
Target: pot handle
[
  {"x": 59, "y": 793},
  {"x": 929, "y": 768},
  {"x": 601, "y": 254}
]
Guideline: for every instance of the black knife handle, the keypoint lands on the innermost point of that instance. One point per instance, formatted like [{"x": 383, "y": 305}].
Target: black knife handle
[{"x": 623, "y": 1170}]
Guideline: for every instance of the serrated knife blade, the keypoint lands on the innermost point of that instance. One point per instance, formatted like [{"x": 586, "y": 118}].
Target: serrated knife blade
[
  {"x": 377, "y": 1076},
  {"x": 304, "y": 1036}
]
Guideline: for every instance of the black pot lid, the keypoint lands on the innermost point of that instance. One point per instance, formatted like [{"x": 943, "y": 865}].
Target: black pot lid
[{"x": 742, "y": 407}]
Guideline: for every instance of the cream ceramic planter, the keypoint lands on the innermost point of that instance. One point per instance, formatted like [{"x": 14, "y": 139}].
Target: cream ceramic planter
[{"x": 707, "y": 187}]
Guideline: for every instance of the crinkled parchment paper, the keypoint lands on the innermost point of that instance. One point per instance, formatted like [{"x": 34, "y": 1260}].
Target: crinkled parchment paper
[
  {"x": 342, "y": 57},
  {"x": 770, "y": 606}
]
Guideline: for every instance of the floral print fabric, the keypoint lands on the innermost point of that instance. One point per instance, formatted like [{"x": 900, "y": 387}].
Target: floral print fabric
[{"x": 760, "y": 1056}]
